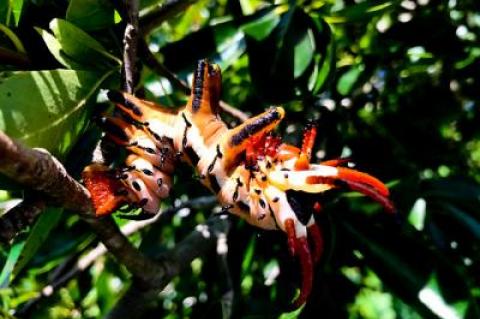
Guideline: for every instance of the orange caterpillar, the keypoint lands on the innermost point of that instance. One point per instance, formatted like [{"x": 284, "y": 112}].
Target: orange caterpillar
[{"x": 254, "y": 175}]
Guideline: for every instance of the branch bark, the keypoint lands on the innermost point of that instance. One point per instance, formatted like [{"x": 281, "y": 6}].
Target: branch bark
[
  {"x": 130, "y": 43},
  {"x": 20, "y": 217},
  {"x": 38, "y": 170}
]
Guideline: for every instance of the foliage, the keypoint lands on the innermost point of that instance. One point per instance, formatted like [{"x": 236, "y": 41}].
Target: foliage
[{"x": 393, "y": 85}]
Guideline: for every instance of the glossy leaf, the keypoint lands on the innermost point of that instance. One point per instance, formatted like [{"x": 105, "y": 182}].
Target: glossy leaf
[
  {"x": 53, "y": 113},
  {"x": 55, "y": 48},
  {"x": 17, "y": 6},
  {"x": 91, "y": 14},
  {"x": 80, "y": 47}
]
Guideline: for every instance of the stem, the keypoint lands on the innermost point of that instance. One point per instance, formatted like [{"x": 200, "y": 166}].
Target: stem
[{"x": 130, "y": 42}]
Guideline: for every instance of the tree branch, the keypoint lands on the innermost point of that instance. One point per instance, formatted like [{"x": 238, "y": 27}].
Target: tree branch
[
  {"x": 42, "y": 172},
  {"x": 20, "y": 217},
  {"x": 140, "y": 294},
  {"x": 37, "y": 169},
  {"x": 17, "y": 59},
  {"x": 130, "y": 41}
]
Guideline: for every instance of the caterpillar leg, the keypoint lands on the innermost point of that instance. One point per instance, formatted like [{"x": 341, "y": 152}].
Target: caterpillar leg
[
  {"x": 314, "y": 233},
  {"x": 299, "y": 247}
]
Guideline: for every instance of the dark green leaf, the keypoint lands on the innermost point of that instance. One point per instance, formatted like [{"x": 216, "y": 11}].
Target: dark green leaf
[
  {"x": 91, "y": 14},
  {"x": 222, "y": 43},
  {"x": 37, "y": 236},
  {"x": 294, "y": 60}
]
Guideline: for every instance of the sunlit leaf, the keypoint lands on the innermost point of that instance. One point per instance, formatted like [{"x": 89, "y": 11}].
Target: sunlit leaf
[
  {"x": 348, "y": 79},
  {"x": 12, "y": 258},
  {"x": 17, "y": 6},
  {"x": 262, "y": 27},
  {"x": 417, "y": 215},
  {"x": 91, "y": 14},
  {"x": 56, "y": 50},
  {"x": 81, "y": 47},
  {"x": 53, "y": 113},
  {"x": 431, "y": 296}
]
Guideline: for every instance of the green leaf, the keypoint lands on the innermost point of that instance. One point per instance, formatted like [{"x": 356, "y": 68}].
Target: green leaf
[
  {"x": 37, "y": 236},
  {"x": 294, "y": 60},
  {"x": 348, "y": 79},
  {"x": 222, "y": 43},
  {"x": 17, "y": 6},
  {"x": 91, "y": 14},
  {"x": 260, "y": 28},
  {"x": 53, "y": 112},
  {"x": 416, "y": 217},
  {"x": 55, "y": 49},
  {"x": 431, "y": 295},
  {"x": 81, "y": 47},
  {"x": 361, "y": 11},
  {"x": 4, "y": 12},
  {"x": 12, "y": 258}
]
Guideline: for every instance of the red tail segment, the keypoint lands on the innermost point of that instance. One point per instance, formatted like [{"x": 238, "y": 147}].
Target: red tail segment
[{"x": 103, "y": 188}]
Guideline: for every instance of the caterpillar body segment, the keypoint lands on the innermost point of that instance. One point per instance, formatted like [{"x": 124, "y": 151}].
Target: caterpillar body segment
[{"x": 270, "y": 184}]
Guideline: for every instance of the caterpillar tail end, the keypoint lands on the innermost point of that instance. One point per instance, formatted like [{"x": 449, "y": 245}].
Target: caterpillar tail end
[{"x": 104, "y": 189}]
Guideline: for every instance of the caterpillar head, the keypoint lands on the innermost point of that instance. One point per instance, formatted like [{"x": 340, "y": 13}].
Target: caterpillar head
[{"x": 290, "y": 187}]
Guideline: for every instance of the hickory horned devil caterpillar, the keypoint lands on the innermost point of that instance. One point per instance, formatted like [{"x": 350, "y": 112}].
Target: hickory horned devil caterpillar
[{"x": 253, "y": 174}]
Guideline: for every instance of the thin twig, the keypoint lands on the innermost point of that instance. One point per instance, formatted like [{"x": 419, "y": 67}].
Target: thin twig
[
  {"x": 156, "y": 16},
  {"x": 130, "y": 40},
  {"x": 236, "y": 113},
  {"x": 149, "y": 59},
  {"x": 140, "y": 294}
]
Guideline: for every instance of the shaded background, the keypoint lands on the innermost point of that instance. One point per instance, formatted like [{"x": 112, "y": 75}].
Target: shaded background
[{"x": 393, "y": 85}]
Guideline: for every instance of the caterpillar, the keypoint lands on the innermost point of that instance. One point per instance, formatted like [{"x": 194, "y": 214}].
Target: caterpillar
[{"x": 270, "y": 184}]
